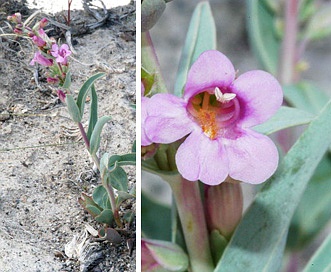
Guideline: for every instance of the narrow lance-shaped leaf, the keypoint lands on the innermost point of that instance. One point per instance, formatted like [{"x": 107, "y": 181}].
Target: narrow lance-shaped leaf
[
  {"x": 285, "y": 117},
  {"x": 73, "y": 109},
  {"x": 201, "y": 36},
  {"x": 84, "y": 91},
  {"x": 67, "y": 82},
  {"x": 93, "y": 118},
  {"x": 261, "y": 35},
  {"x": 308, "y": 219},
  {"x": 95, "y": 137},
  {"x": 321, "y": 259},
  {"x": 259, "y": 240}
]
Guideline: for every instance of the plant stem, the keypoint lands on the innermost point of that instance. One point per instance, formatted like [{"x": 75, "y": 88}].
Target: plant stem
[
  {"x": 191, "y": 213},
  {"x": 112, "y": 198},
  {"x": 87, "y": 144},
  {"x": 287, "y": 73}
]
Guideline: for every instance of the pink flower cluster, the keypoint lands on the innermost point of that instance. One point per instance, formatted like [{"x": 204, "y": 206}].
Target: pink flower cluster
[{"x": 214, "y": 119}]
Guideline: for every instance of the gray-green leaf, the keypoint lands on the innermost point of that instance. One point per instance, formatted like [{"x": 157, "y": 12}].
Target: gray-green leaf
[
  {"x": 285, "y": 117},
  {"x": 201, "y": 36},
  {"x": 259, "y": 240}
]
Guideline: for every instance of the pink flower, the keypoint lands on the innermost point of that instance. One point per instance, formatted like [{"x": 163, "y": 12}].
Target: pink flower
[
  {"x": 38, "y": 41},
  {"x": 145, "y": 141},
  {"x": 216, "y": 114},
  {"x": 61, "y": 95},
  {"x": 39, "y": 58},
  {"x": 52, "y": 80},
  {"x": 61, "y": 54}
]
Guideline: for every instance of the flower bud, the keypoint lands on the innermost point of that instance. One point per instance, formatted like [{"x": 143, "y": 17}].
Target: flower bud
[
  {"x": 15, "y": 18},
  {"x": 61, "y": 95},
  {"x": 162, "y": 256},
  {"x": 43, "y": 22},
  {"x": 39, "y": 58},
  {"x": 224, "y": 206},
  {"x": 38, "y": 41}
]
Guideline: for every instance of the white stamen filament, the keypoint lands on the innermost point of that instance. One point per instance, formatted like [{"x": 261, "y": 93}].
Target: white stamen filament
[{"x": 223, "y": 97}]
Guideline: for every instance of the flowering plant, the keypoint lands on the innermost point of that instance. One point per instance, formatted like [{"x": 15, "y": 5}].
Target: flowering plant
[
  {"x": 105, "y": 202},
  {"x": 211, "y": 133}
]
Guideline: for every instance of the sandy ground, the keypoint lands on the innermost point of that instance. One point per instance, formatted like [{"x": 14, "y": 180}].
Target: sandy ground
[{"x": 43, "y": 165}]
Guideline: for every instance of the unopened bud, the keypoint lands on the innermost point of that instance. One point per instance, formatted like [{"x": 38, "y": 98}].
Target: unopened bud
[
  {"x": 61, "y": 95},
  {"x": 224, "y": 206},
  {"x": 43, "y": 22},
  {"x": 15, "y": 18}
]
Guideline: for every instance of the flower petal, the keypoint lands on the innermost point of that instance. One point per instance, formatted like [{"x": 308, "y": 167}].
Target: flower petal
[
  {"x": 211, "y": 69},
  {"x": 144, "y": 139},
  {"x": 260, "y": 96},
  {"x": 253, "y": 157},
  {"x": 167, "y": 119},
  {"x": 200, "y": 158}
]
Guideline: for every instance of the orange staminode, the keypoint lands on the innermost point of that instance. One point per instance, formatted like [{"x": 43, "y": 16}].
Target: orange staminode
[{"x": 206, "y": 116}]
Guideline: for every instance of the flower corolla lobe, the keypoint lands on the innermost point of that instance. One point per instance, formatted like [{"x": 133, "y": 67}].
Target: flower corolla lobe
[{"x": 216, "y": 114}]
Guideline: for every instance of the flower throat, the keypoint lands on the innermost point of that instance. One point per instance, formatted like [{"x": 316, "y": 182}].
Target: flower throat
[{"x": 214, "y": 111}]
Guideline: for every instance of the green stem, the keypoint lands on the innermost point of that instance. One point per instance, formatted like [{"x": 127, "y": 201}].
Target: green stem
[
  {"x": 112, "y": 198},
  {"x": 192, "y": 217}
]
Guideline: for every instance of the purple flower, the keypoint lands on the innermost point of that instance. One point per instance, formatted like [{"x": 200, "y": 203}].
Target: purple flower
[
  {"x": 61, "y": 95},
  {"x": 38, "y": 41},
  {"x": 39, "y": 58},
  {"x": 61, "y": 54},
  {"x": 216, "y": 114},
  {"x": 145, "y": 141}
]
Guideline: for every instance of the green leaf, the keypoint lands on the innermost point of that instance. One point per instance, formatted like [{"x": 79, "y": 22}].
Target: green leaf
[
  {"x": 155, "y": 219},
  {"x": 73, "y": 109},
  {"x": 95, "y": 137},
  {"x": 122, "y": 196},
  {"x": 262, "y": 36},
  {"x": 169, "y": 255},
  {"x": 100, "y": 196},
  {"x": 67, "y": 82},
  {"x": 93, "y": 118},
  {"x": 84, "y": 91},
  {"x": 259, "y": 240},
  {"x": 314, "y": 211},
  {"x": 321, "y": 262},
  {"x": 133, "y": 148},
  {"x": 105, "y": 217},
  {"x": 201, "y": 36},
  {"x": 218, "y": 244},
  {"x": 88, "y": 204},
  {"x": 285, "y": 117},
  {"x": 128, "y": 216},
  {"x": 127, "y": 159},
  {"x": 305, "y": 96},
  {"x": 104, "y": 164},
  {"x": 118, "y": 179}
]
